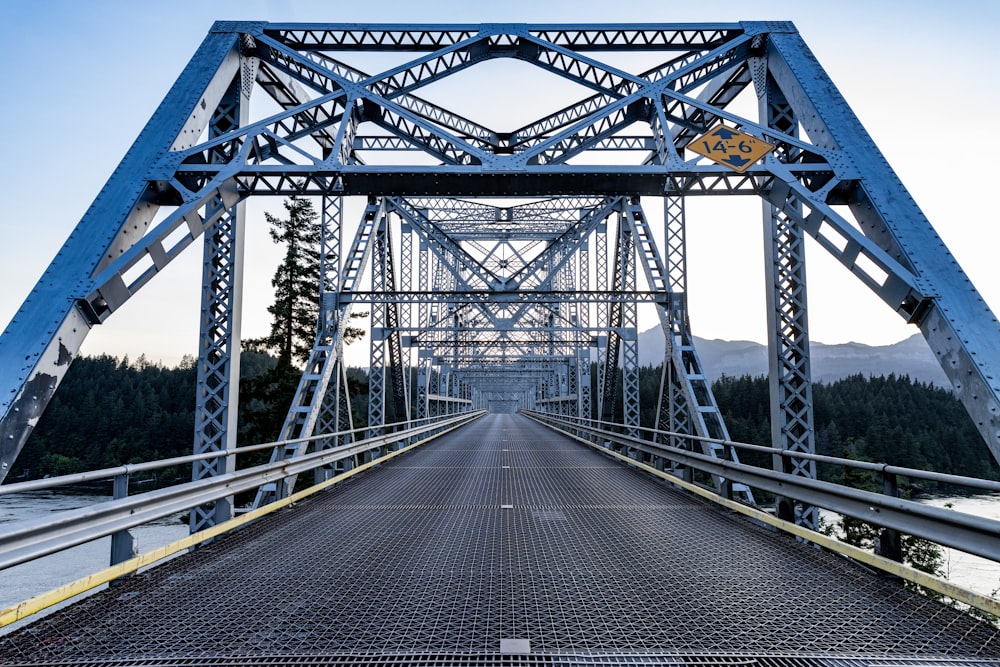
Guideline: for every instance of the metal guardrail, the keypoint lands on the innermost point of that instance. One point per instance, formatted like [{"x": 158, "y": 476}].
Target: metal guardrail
[
  {"x": 957, "y": 530},
  {"x": 27, "y": 540}
]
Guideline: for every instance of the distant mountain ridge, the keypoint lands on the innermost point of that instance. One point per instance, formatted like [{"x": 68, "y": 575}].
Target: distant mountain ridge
[{"x": 830, "y": 363}]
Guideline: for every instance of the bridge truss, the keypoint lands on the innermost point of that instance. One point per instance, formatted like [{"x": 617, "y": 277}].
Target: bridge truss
[{"x": 503, "y": 268}]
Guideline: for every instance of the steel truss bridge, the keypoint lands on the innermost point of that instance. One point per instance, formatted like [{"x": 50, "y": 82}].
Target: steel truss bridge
[{"x": 504, "y": 271}]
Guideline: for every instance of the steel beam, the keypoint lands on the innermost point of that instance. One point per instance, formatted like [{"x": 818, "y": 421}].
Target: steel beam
[
  {"x": 45, "y": 335},
  {"x": 957, "y": 323},
  {"x": 217, "y": 399},
  {"x": 325, "y": 361},
  {"x": 789, "y": 373},
  {"x": 686, "y": 376}
]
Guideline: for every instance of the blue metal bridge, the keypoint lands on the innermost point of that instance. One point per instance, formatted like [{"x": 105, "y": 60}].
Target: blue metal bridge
[{"x": 503, "y": 503}]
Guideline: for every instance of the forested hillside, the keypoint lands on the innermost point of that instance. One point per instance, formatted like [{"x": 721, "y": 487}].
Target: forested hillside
[
  {"x": 883, "y": 419},
  {"x": 110, "y": 411}
]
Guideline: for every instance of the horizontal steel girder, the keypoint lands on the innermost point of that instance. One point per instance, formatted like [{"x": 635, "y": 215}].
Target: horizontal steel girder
[
  {"x": 539, "y": 181},
  {"x": 420, "y": 38},
  {"x": 504, "y": 298},
  {"x": 331, "y": 116}
]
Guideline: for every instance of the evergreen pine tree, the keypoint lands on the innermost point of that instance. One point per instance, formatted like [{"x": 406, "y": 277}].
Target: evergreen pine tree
[
  {"x": 294, "y": 313},
  {"x": 296, "y": 284}
]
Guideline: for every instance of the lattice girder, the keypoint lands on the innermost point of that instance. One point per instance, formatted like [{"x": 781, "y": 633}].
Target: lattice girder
[
  {"x": 330, "y": 111},
  {"x": 313, "y": 402}
]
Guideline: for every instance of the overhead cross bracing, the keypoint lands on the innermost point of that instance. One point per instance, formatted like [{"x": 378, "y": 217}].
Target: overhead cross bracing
[
  {"x": 506, "y": 543},
  {"x": 521, "y": 232}
]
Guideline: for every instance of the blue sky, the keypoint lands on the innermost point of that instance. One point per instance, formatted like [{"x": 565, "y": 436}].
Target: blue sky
[{"x": 80, "y": 80}]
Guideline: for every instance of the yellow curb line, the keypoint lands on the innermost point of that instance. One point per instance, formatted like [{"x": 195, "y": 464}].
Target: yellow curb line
[
  {"x": 80, "y": 586},
  {"x": 971, "y": 598}
]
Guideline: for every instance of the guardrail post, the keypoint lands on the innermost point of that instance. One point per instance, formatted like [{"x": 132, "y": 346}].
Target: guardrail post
[
  {"x": 123, "y": 542},
  {"x": 889, "y": 541},
  {"x": 323, "y": 473},
  {"x": 726, "y": 488}
]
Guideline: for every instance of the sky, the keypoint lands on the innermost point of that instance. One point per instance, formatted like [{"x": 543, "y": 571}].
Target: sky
[{"x": 81, "y": 79}]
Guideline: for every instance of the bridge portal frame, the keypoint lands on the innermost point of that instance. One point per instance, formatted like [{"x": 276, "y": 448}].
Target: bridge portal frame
[{"x": 180, "y": 180}]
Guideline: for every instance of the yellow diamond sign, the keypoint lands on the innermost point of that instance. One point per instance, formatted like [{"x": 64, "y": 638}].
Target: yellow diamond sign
[{"x": 730, "y": 147}]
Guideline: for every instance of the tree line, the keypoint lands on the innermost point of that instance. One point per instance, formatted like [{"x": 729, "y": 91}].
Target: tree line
[
  {"x": 888, "y": 419},
  {"x": 112, "y": 411}
]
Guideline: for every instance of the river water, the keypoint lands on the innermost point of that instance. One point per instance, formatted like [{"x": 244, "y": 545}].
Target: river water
[
  {"x": 965, "y": 570},
  {"x": 29, "y": 579}
]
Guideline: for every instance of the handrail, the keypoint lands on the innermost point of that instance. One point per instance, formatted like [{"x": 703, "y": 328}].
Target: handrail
[
  {"x": 991, "y": 486},
  {"x": 146, "y": 466},
  {"x": 965, "y": 532},
  {"x": 890, "y": 565},
  {"x": 27, "y": 540}
]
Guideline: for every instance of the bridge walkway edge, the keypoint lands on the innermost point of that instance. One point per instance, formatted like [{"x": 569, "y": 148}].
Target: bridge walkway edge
[{"x": 504, "y": 540}]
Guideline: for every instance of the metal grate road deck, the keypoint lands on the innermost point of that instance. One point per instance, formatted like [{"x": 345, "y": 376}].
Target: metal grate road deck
[{"x": 504, "y": 543}]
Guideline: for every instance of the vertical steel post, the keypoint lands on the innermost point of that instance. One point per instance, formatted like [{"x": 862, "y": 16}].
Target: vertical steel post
[
  {"x": 584, "y": 405},
  {"x": 630, "y": 335},
  {"x": 376, "y": 371},
  {"x": 790, "y": 379},
  {"x": 335, "y": 406},
  {"x": 123, "y": 545},
  {"x": 217, "y": 402},
  {"x": 672, "y": 413},
  {"x": 423, "y": 319},
  {"x": 407, "y": 235},
  {"x": 323, "y": 366},
  {"x": 398, "y": 375},
  {"x": 603, "y": 308},
  {"x": 335, "y": 412},
  {"x": 685, "y": 365}
]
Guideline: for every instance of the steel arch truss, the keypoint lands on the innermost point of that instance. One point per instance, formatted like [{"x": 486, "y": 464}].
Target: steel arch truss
[{"x": 479, "y": 242}]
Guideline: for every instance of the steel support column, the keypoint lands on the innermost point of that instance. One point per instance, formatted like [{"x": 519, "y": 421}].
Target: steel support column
[
  {"x": 630, "y": 337},
  {"x": 789, "y": 374},
  {"x": 423, "y": 320},
  {"x": 686, "y": 366},
  {"x": 603, "y": 309},
  {"x": 218, "y": 379},
  {"x": 217, "y": 401},
  {"x": 584, "y": 408},
  {"x": 335, "y": 414},
  {"x": 377, "y": 391},
  {"x": 324, "y": 364},
  {"x": 609, "y": 382},
  {"x": 672, "y": 412}
]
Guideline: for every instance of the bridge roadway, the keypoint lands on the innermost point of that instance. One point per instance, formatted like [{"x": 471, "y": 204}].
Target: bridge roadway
[{"x": 505, "y": 543}]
